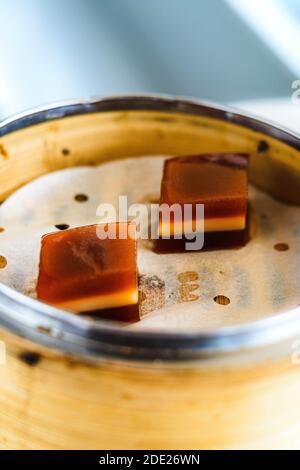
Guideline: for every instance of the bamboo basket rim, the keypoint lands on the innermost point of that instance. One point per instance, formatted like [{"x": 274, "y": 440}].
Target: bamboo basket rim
[{"x": 66, "y": 332}]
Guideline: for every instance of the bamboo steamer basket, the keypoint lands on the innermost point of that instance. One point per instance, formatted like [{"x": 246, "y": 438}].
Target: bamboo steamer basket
[{"x": 69, "y": 383}]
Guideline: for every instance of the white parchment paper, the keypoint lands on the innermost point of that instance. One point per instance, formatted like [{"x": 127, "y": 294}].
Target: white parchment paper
[{"x": 176, "y": 290}]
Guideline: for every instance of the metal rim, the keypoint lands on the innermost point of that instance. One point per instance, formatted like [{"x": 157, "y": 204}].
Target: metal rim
[{"x": 58, "y": 329}]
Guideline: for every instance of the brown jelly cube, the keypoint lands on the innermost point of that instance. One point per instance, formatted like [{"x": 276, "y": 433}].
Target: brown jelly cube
[
  {"x": 219, "y": 181},
  {"x": 81, "y": 272}
]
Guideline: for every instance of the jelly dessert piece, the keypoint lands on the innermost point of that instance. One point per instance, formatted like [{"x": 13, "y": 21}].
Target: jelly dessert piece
[
  {"x": 81, "y": 272},
  {"x": 128, "y": 314},
  {"x": 219, "y": 181}
]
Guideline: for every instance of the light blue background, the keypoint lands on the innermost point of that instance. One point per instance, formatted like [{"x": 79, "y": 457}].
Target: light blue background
[{"x": 56, "y": 49}]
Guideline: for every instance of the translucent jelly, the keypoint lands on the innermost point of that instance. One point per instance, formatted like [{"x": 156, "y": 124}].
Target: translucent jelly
[
  {"x": 83, "y": 273},
  {"x": 219, "y": 181}
]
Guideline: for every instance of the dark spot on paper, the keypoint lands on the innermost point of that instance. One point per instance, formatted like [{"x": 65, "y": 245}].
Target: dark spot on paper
[
  {"x": 3, "y": 262},
  {"x": 222, "y": 300},
  {"x": 65, "y": 152},
  {"x": 81, "y": 197},
  {"x": 281, "y": 247},
  {"x": 30, "y": 358},
  {"x": 62, "y": 226},
  {"x": 262, "y": 146},
  {"x": 2, "y": 229}
]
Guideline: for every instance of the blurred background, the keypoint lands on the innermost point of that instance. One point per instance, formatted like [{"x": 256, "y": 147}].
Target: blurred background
[{"x": 220, "y": 50}]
